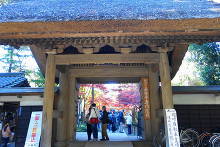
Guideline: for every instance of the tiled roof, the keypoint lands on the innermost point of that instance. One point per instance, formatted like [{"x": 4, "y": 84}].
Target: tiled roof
[
  {"x": 24, "y": 91},
  {"x": 8, "y": 80},
  {"x": 196, "y": 89},
  {"x": 66, "y": 10}
]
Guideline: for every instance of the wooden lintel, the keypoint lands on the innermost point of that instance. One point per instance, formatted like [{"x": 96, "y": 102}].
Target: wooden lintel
[
  {"x": 110, "y": 72},
  {"x": 146, "y": 58}
]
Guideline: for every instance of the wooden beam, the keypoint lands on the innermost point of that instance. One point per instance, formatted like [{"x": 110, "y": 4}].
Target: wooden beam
[
  {"x": 110, "y": 72},
  {"x": 106, "y": 58},
  {"x": 11, "y": 30},
  {"x": 103, "y": 80},
  {"x": 48, "y": 102},
  {"x": 40, "y": 57},
  {"x": 177, "y": 57},
  {"x": 166, "y": 89}
]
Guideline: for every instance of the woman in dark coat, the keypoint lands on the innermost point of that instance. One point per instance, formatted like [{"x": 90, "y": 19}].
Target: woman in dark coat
[
  {"x": 105, "y": 121},
  {"x": 88, "y": 125}
]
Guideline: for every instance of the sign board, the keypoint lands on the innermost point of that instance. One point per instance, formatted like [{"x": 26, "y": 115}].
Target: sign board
[
  {"x": 34, "y": 130},
  {"x": 171, "y": 128},
  {"x": 145, "y": 98}
]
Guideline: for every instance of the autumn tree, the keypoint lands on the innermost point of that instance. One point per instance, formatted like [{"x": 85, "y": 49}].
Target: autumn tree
[{"x": 129, "y": 95}]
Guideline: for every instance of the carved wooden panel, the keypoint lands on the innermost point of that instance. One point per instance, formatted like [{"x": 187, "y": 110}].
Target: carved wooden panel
[
  {"x": 110, "y": 72},
  {"x": 106, "y": 58}
]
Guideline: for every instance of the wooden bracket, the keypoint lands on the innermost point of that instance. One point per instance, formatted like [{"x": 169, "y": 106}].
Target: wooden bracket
[
  {"x": 125, "y": 50},
  {"x": 88, "y": 50}
]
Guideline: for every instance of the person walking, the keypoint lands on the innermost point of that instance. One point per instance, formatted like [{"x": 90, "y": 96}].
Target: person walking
[
  {"x": 113, "y": 122},
  {"x": 94, "y": 120},
  {"x": 121, "y": 121},
  {"x": 105, "y": 121},
  {"x": 129, "y": 122},
  {"x": 6, "y": 134},
  {"x": 88, "y": 126}
]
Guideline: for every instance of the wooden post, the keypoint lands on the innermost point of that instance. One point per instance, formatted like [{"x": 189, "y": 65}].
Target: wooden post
[
  {"x": 48, "y": 101},
  {"x": 63, "y": 100},
  {"x": 71, "y": 120},
  {"x": 166, "y": 89},
  {"x": 155, "y": 100}
]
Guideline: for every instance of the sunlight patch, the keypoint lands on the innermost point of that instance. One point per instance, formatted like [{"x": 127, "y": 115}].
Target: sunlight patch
[{"x": 215, "y": 1}]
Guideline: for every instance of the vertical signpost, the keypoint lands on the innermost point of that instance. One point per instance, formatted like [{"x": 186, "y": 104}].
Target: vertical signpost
[
  {"x": 34, "y": 130},
  {"x": 146, "y": 101},
  {"x": 171, "y": 128}
]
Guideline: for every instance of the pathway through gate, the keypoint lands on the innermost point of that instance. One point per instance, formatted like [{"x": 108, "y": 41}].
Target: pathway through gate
[
  {"x": 109, "y": 144},
  {"x": 82, "y": 136}
]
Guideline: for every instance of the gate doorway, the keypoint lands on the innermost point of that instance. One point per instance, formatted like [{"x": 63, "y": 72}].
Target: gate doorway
[
  {"x": 69, "y": 98},
  {"x": 123, "y": 103}
]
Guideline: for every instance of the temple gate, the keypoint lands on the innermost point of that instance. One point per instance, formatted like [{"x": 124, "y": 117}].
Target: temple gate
[{"x": 148, "y": 51}]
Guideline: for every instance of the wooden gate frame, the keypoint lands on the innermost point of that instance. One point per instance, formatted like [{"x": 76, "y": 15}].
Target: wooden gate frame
[{"x": 66, "y": 103}]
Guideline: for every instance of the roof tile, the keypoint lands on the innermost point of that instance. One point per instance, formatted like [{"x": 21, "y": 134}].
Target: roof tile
[{"x": 13, "y": 80}]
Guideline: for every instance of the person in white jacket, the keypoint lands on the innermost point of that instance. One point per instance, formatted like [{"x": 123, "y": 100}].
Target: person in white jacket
[
  {"x": 129, "y": 122},
  {"x": 94, "y": 119}
]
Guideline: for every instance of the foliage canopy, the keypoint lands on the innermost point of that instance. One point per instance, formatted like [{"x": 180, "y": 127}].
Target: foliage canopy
[{"x": 207, "y": 59}]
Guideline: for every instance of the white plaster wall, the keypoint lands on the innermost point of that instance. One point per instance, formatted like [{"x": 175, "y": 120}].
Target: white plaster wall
[
  {"x": 35, "y": 100},
  {"x": 178, "y": 99},
  {"x": 196, "y": 99}
]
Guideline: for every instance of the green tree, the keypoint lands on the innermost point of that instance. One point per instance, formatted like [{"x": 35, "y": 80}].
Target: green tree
[
  {"x": 207, "y": 59},
  {"x": 36, "y": 77},
  {"x": 15, "y": 60}
]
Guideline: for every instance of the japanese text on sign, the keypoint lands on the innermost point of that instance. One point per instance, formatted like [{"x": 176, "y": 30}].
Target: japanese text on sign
[
  {"x": 34, "y": 130},
  {"x": 171, "y": 128}
]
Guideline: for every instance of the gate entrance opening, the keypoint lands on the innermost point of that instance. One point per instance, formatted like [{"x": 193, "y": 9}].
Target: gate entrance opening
[{"x": 123, "y": 103}]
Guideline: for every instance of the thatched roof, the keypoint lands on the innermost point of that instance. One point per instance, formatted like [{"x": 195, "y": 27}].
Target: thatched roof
[
  {"x": 41, "y": 23},
  {"x": 66, "y": 10}
]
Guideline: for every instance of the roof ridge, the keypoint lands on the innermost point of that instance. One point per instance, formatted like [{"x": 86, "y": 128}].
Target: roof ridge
[{"x": 12, "y": 74}]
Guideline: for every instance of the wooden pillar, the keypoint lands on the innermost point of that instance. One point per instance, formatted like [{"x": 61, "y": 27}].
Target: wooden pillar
[
  {"x": 71, "y": 121},
  {"x": 155, "y": 100},
  {"x": 48, "y": 102},
  {"x": 166, "y": 89},
  {"x": 63, "y": 100}
]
